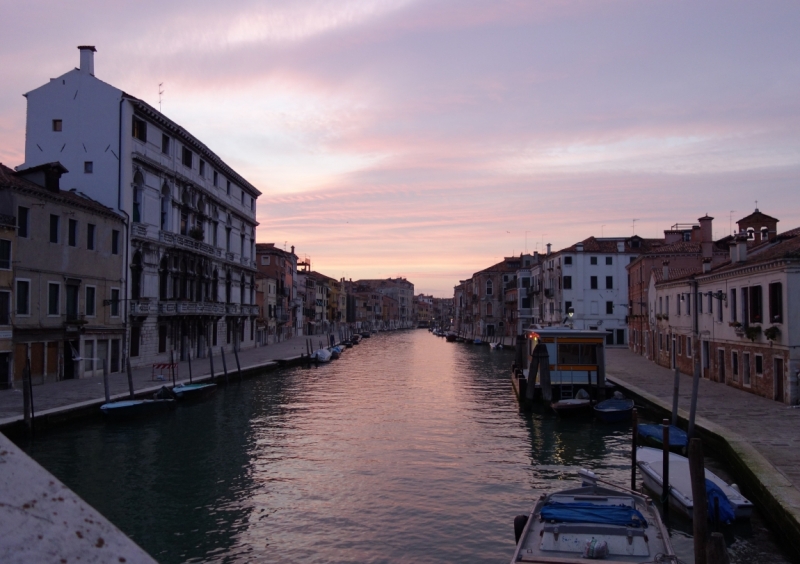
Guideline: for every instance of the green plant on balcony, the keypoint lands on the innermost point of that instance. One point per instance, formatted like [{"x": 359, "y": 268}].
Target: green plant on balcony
[
  {"x": 752, "y": 332},
  {"x": 772, "y": 333},
  {"x": 196, "y": 233}
]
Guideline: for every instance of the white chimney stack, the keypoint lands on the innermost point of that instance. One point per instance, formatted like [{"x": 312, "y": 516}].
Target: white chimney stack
[{"x": 87, "y": 58}]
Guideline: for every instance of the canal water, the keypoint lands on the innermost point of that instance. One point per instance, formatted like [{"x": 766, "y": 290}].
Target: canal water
[{"x": 407, "y": 449}]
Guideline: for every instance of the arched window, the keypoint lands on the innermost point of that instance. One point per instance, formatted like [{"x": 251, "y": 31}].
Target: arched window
[
  {"x": 163, "y": 278},
  {"x": 751, "y": 234},
  {"x": 136, "y": 276},
  {"x": 764, "y": 233},
  {"x": 228, "y": 284},
  {"x": 489, "y": 287},
  {"x": 138, "y": 184}
]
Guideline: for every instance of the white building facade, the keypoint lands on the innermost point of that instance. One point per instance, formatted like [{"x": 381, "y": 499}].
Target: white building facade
[{"x": 189, "y": 276}]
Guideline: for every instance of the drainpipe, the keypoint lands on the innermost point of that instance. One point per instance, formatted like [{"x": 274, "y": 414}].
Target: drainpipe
[
  {"x": 696, "y": 364},
  {"x": 126, "y": 266}
]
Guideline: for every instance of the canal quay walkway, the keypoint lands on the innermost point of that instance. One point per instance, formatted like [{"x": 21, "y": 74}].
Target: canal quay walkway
[
  {"x": 757, "y": 437},
  {"x": 57, "y": 400}
]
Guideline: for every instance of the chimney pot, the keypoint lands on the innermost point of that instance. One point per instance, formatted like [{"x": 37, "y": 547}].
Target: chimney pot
[
  {"x": 87, "y": 58},
  {"x": 548, "y": 248}
]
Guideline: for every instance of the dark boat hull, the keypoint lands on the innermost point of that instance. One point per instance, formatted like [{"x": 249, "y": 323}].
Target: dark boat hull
[
  {"x": 192, "y": 392},
  {"x": 614, "y": 410},
  {"x": 135, "y": 408},
  {"x": 572, "y": 408}
]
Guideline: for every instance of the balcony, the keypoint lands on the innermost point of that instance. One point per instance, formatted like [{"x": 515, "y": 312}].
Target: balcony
[
  {"x": 187, "y": 243},
  {"x": 142, "y": 308},
  {"x": 191, "y": 308}
]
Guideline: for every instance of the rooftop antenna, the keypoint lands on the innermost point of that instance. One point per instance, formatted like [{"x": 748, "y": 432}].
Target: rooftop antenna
[
  {"x": 160, "y": 94},
  {"x": 756, "y": 205},
  {"x": 633, "y": 227}
]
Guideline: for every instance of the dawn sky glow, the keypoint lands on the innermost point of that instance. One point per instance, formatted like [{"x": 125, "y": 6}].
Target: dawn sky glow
[{"x": 430, "y": 138}]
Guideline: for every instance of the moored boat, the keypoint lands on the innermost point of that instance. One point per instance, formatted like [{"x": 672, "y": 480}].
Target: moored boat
[
  {"x": 366, "y": 334},
  {"x": 128, "y": 409},
  {"x": 614, "y": 410},
  {"x": 193, "y": 391},
  {"x": 451, "y": 337},
  {"x": 572, "y": 407},
  {"x": 654, "y": 435},
  {"x": 650, "y": 462},
  {"x": 593, "y": 521},
  {"x": 321, "y": 355}
]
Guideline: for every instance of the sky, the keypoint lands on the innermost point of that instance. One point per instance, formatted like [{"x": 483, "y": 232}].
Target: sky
[{"x": 430, "y": 138}]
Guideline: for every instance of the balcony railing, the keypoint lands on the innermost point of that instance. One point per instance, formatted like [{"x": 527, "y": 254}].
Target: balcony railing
[
  {"x": 141, "y": 307},
  {"x": 188, "y": 243}
]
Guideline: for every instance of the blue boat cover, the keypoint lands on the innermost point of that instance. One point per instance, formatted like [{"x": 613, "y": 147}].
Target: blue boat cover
[
  {"x": 584, "y": 512},
  {"x": 677, "y": 437},
  {"x": 615, "y": 404},
  {"x": 727, "y": 513}
]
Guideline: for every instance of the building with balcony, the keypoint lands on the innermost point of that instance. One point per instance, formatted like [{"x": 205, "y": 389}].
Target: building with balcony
[
  {"x": 188, "y": 243},
  {"x": 61, "y": 279},
  {"x": 281, "y": 265}
]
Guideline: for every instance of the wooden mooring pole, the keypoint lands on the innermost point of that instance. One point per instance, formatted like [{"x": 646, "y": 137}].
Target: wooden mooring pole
[
  {"x": 172, "y": 365},
  {"x": 105, "y": 381},
  {"x": 211, "y": 363},
  {"x": 665, "y": 469},
  {"x": 634, "y": 440},
  {"x": 238, "y": 366},
  {"x": 189, "y": 358},
  {"x": 697, "y": 474},
  {"x": 717, "y": 552},
  {"x": 675, "y": 387},
  {"x": 224, "y": 364},
  {"x": 27, "y": 397}
]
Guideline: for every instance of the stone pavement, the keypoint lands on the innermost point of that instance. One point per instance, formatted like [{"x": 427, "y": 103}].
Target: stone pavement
[
  {"x": 762, "y": 434},
  {"x": 54, "y": 395}
]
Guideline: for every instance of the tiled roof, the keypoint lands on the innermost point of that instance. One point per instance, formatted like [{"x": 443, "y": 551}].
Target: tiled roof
[
  {"x": 10, "y": 179},
  {"x": 674, "y": 273},
  {"x": 757, "y": 216},
  {"x": 688, "y": 247},
  {"x": 594, "y": 245},
  {"x": 503, "y": 266},
  {"x": 785, "y": 246}
]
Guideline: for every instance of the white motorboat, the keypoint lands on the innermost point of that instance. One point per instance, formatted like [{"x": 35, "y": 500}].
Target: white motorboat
[
  {"x": 321, "y": 355},
  {"x": 607, "y": 522},
  {"x": 650, "y": 462}
]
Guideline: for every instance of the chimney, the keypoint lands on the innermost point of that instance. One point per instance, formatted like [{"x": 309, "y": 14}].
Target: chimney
[
  {"x": 87, "y": 58},
  {"x": 665, "y": 269},
  {"x": 741, "y": 248},
  {"x": 706, "y": 265},
  {"x": 548, "y": 249},
  {"x": 734, "y": 251},
  {"x": 706, "y": 236}
]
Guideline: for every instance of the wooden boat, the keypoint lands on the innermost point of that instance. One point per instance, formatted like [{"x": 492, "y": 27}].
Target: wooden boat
[
  {"x": 565, "y": 525},
  {"x": 348, "y": 343},
  {"x": 650, "y": 463},
  {"x": 366, "y": 334},
  {"x": 614, "y": 410},
  {"x": 336, "y": 352},
  {"x": 128, "y": 409},
  {"x": 451, "y": 337},
  {"x": 572, "y": 407},
  {"x": 654, "y": 435},
  {"x": 496, "y": 346},
  {"x": 194, "y": 391},
  {"x": 321, "y": 355}
]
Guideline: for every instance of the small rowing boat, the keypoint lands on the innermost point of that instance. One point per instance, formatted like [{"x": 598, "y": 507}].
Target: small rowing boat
[{"x": 614, "y": 410}]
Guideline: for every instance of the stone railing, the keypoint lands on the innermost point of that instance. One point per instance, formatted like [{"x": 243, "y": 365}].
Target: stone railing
[
  {"x": 139, "y": 230},
  {"x": 233, "y": 309},
  {"x": 191, "y": 308},
  {"x": 141, "y": 307},
  {"x": 187, "y": 242}
]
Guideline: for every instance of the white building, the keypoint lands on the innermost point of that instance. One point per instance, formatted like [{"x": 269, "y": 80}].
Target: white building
[
  {"x": 189, "y": 272},
  {"x": 589, "y": 280}
]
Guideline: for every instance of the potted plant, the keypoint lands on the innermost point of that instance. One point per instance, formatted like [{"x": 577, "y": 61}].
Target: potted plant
[
  {"x": 772, "y": 333},
  {"x": 753, "y": 332}
]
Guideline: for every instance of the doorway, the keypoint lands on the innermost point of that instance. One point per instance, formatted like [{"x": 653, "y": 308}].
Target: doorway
[{"x": 721, "y": 364}]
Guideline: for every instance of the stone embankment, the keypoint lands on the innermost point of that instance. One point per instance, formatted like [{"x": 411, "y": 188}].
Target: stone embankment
[{"x": 758, "y": 438}]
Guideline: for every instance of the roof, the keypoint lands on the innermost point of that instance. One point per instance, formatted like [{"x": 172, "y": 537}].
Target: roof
[
  {"x": 609, "y": 245},
  {"x": 674, "y": 274},
  {"x": 757, "y": 216},
  {"x": 785, "y": 246},
  {"x": 11, "y": 179}
]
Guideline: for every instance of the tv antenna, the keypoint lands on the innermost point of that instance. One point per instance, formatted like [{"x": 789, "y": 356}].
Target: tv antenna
[
  {"x": 633, "y": 227},
  {"x": 160, "y": 94}
]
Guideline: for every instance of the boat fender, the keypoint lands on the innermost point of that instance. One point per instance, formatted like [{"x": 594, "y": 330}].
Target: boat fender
[
  {"x": 519, "y": 525},
  {"x": 595, "y": 549}
]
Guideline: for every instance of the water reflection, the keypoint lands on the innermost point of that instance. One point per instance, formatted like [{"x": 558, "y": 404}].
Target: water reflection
[{"x": 408, "y": 449}]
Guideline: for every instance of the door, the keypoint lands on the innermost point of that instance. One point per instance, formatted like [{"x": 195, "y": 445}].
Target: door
[
  {"x": 721, "y": 364},
  {"x": 20, "y": 358},
  {"x": 778, "y": 377},
  {"x": 71, "y": 349}
]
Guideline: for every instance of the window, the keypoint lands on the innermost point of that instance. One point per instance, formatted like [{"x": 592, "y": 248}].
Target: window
[
  {"x": 593, "y": 282},
  {"x": 746, "y": 369},
  {"x": 5, "y": 254},
  {"x": 678, "y": 304},
  {"x": 202, "y": 168},
  {"x": 165, "y": 143},
  {"x": 23, "y": 297},
  {"x": 5, "y": 308},
  {"x": 53, "y": 297},
  {"x": 592, "y": 260},
  {"x": 72, "y": 300},
  {"x": 567, "y": 260},
  {"x": 759, "y": 365},
  {"x": 679, "y": 347},
  {"x": 162, "y": 338},
  {"x": 242, "y": 197},
  {"x": 732, "y": 305},
  {"x": 72, "y": 233},
  {"x": 252, "y": 204},
  {"x": 114, "y": 302},
  {"x": 735, "y": 365},
  {"x": 609, "y": 260},
  {"x": 88, "y": 167},
  {"x": 488, "y": 287},
  {"x": 184, "y": 223},
  {"x": 216, "y": 178},
  {"x": 710, "y": 302},
  {"x": 90, "y": 229},
  {"x": 756, "y": 306},
  {"x": 137, "y": 204},
  {"x": 139, "y": 130},
  {"x": 228, "y": 187},
  {"x": 689, "y": 347},
  {"x": 54, "y": 225},
  {"x": 568, "y": 282},
  {"x": 186, "y": 158},
  {"x": 114, "y": 242},
  {"x": 666, "y": 300},
  {"x": 115, "y": 349},
  {"x": 136, "y": 333},
  {"x": 22, "y": 221},
  {"x": 609, "y": 282},
  {"x": 719, "y": 309},
  {"x": 699, "y": 303},
  {"x": 264, "y": 260},
  {"x": 688, "y": 304},
  {"x": 610, "y": 308},
  {"x": 776, "y": 302},
  {"x": 567, "y": 306},
  {"x": 90, "y": 301},
  {"x": 58, "y": 125},
  {"x": 228, "y": 239}
]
